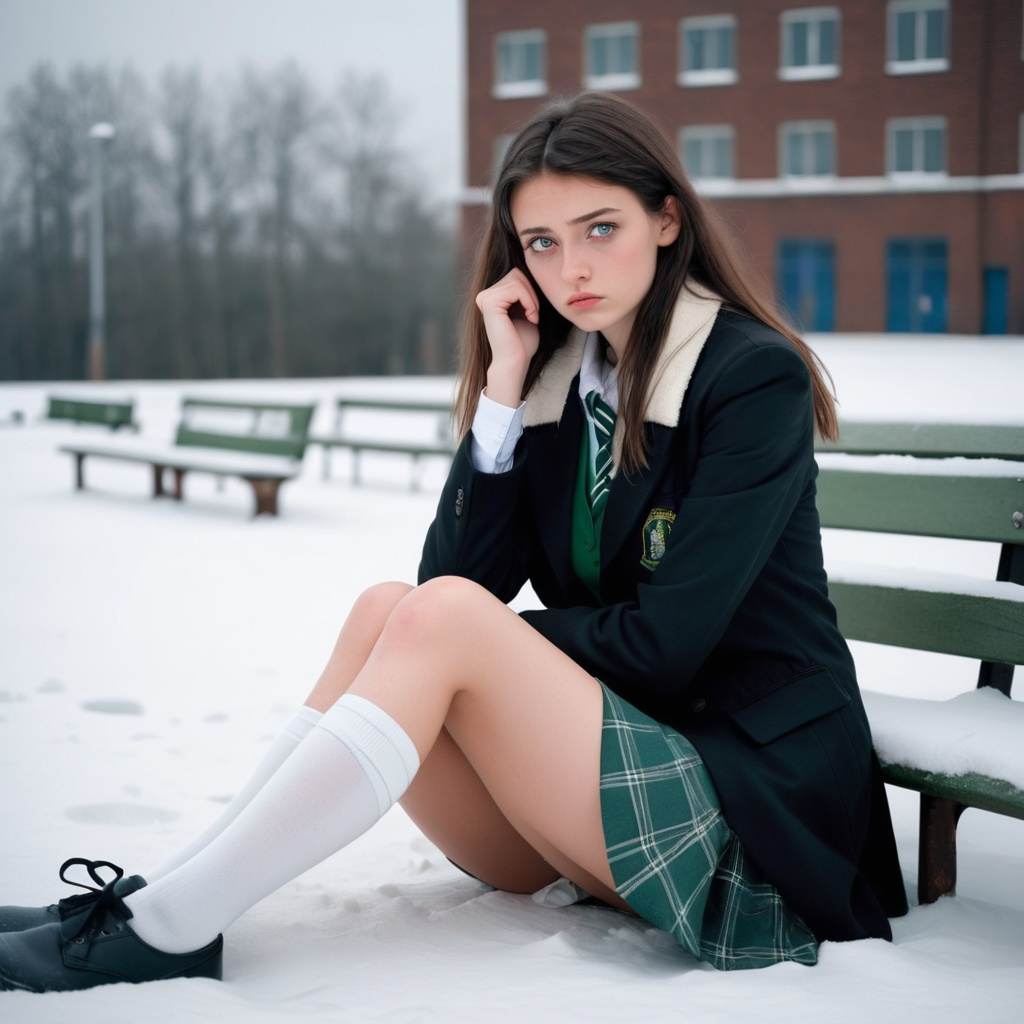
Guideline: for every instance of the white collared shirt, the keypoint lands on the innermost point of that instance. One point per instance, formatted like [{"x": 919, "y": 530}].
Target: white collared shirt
[{"x": 497, "y": 428}]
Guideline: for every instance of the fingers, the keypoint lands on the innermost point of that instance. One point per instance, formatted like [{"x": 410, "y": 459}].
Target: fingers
[
  {"x": 514, "y": 289},
  {"x": 511, "y": 313}
]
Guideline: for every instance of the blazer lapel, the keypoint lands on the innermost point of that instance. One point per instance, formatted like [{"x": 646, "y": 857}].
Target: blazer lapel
[
  {"x": 554, "y": 457},
  {"x": 630, "y": 497}
]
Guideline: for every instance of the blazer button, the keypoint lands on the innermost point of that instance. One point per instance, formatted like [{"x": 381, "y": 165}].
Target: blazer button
[
  {"x": 460, "y": 498},
  {"x": 698, "y": 705}
]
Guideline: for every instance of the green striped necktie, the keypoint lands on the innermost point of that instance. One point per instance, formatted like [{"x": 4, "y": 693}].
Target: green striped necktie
[{"x": 603, "y": 417}]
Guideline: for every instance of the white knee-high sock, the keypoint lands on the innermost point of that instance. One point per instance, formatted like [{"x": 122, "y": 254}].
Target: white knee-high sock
[
  {"x": 339, "y": 781},
  {"x": 294, "y": 732}
]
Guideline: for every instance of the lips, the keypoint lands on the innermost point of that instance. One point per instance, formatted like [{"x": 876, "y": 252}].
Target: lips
[{"x": 583, "y": 300}]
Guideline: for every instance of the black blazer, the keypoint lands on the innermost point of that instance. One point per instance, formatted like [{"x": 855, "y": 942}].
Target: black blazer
[{"x": 729, "y": 635}]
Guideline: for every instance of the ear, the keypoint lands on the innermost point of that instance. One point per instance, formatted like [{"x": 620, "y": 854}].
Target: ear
[{"x": 671, "y": 221}]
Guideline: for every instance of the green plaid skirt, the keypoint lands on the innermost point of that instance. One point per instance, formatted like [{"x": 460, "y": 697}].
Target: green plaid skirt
[{"x": 674, "y": 858}]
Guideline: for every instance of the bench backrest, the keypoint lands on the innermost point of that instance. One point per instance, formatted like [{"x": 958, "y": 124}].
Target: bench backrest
[
  {"x": 957, "y": 498},
  {"x": 266, "y": 428},
  {"x": 112, "y": 413},
  {"x": 441, "y": 411},
  {"x": 931, "y": 440},
  {"x": 400, "y": 404}
]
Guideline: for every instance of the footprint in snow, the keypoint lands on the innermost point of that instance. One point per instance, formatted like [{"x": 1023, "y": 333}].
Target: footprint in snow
[
  {"x": 114, "y": 706},
  {"x": 120, "y": 814}
]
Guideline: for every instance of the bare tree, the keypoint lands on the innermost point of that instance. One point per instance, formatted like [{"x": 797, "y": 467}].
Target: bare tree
[{"x": 258, "y": 229}]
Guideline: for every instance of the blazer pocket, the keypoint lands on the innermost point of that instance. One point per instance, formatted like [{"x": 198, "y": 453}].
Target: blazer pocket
[{"x": 789, "y": 705}]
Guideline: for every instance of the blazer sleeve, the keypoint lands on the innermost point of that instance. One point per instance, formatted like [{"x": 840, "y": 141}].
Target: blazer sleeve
[
  {"x": 755, "y": 458},
  {"x": 478, "y": 530}
]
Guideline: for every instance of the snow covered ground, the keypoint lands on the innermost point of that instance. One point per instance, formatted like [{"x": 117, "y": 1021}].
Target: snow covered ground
[{"x": 149, "y": 651}]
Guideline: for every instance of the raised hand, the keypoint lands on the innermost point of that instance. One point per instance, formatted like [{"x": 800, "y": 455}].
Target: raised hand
[{"x": 511, "y": 314}]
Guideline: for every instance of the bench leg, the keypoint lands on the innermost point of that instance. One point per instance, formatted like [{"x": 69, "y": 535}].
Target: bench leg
[
  {"x": 158, "y": 481},
  {"x": 265, "y": 492},
  {"x": 936, "y": 867},
  {"x": 355, "y": 466},
  {"x": 79, "y": 471},
  {"x": 178, "y": 492}
]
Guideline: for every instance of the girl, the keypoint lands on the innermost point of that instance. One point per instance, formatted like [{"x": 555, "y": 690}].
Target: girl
[{"x": 678, "y": 731}]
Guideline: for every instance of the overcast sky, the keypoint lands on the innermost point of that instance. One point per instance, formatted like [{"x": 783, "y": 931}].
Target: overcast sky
[{"x": 417, "y": 44}]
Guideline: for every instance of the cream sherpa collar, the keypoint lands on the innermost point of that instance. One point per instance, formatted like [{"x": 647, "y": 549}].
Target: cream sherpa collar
[{"x": 691, "y": 324}]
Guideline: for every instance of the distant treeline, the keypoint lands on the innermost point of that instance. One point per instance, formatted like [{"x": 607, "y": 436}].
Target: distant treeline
[{"x": 260, "y": 228}]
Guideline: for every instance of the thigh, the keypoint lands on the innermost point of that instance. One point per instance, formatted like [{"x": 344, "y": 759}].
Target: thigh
[
  {"x": 452, "y": 807},
  {"x": 528, "y": 720}
]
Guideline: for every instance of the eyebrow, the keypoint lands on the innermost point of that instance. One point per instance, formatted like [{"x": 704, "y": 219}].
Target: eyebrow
[{"x": 576, "y": 220}]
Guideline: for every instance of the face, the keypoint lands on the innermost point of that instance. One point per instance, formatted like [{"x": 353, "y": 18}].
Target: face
[{"x": 592, "y": 248}]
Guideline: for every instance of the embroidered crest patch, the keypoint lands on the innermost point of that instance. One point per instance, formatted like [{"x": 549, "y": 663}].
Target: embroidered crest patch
[{"x": 656, "y": 531}]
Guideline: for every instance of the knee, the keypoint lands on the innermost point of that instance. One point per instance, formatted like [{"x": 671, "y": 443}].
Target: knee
[
  {"x": 375, "y": 605},
  {"x": 437, "y": 609}
]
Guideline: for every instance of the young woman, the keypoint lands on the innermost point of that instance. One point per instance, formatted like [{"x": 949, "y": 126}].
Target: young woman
[{"x": 678, "y": 731}]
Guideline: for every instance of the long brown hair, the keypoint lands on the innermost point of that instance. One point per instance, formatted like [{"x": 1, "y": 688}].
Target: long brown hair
[{"x": 600, "y": 136}]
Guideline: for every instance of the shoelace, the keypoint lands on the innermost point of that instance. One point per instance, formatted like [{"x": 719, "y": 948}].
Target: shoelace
[
  {"x": 95, "y": 914},
  {"x": 71, "y": 905}
]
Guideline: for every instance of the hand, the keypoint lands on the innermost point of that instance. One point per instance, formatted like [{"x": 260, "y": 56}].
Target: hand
[{"x": 511, "y": 314}]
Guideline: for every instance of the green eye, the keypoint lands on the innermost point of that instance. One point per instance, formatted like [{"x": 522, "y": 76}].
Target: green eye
[
  {"x": 603, "y": 230},
  {"x": 541, "y": 244}
]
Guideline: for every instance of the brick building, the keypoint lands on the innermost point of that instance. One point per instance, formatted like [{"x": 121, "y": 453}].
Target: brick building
[{"x": 869, "y": 153}]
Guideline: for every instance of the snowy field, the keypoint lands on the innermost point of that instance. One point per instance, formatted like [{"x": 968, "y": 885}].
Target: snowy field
[{"x": 149, "y": 651}]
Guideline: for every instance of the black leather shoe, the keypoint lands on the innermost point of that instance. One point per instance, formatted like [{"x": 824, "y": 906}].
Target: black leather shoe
[
  {"x": 17, "y": 919},
  {"x": 96, "y": 946}
]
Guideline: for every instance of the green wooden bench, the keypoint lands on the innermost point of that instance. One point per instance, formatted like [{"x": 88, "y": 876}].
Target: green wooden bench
[
  {"x": 262, "y": 443},
  {"x": 950, "y": 481},
  {"x": 108, "y": 412},
  {"x": 427, "y": 433}
]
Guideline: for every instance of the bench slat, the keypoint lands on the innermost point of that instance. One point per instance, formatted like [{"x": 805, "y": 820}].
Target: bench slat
[
  {"x": 936, "y": 440},
  {"x": 968, "y": 507},
  {"x": 111, "y": 413},
  {"x": 267, "y": 428},
  {"x": 969, "y": 625},
  {"x": 364, "y": 444},
  {"x": 972, "y": 789}
]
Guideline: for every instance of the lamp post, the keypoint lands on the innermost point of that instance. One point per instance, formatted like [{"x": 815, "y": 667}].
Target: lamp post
[{"x": 99, "y": 138}]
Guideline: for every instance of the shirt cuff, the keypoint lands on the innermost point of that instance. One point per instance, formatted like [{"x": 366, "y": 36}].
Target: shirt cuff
[{"x": 495, "y": 433}]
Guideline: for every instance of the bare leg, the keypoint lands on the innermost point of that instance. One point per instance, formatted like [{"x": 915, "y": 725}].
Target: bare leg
[
  {"x": 447, "y": 799},
  {"x": 461, "y": 672},
  {"x": 358, "y": 635}
]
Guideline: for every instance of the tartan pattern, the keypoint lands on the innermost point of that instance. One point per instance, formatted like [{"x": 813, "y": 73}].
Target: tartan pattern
[
  {"x": 674, "y": 858},
  {"x": 599, "y": 477}
]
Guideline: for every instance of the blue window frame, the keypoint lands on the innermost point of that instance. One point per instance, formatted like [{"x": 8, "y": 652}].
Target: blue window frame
[
  {"x": 806, "y": 282},
  {"x": 917, "y": 285},
  {"x": 996, "y": 291}
]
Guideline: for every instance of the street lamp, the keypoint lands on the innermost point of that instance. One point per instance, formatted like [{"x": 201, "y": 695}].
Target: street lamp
[{"x": 99, "y": 138}]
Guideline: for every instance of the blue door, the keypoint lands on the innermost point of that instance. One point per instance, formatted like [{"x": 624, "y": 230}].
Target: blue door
[
  {"x": 996, "y": 282},
  {"x": 807, "y": 282},
  {"x": 916, "y": 274}
]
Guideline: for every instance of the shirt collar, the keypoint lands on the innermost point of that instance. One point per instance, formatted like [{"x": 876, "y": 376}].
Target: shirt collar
[{"x": 596, "y": 373}]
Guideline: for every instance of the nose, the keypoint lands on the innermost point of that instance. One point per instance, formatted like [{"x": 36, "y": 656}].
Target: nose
[{"x": 575, "y": 266}]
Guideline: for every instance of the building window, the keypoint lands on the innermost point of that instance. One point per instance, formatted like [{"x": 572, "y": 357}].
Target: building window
[
  {"x": 500, "y": 148},
  {"x": 707, "y": 51},
  {"x": 520, "y": 65},
  {"x": 612, "y": 57},
  {"x": 810, "y": 44},
  {"x": 807, "y": 149},
  {"x": 918, "y": 37},
  {"x": 916, "y": 145},
  {"x": 806, "y": 282},
  {"x": 707, "y": 151}
]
